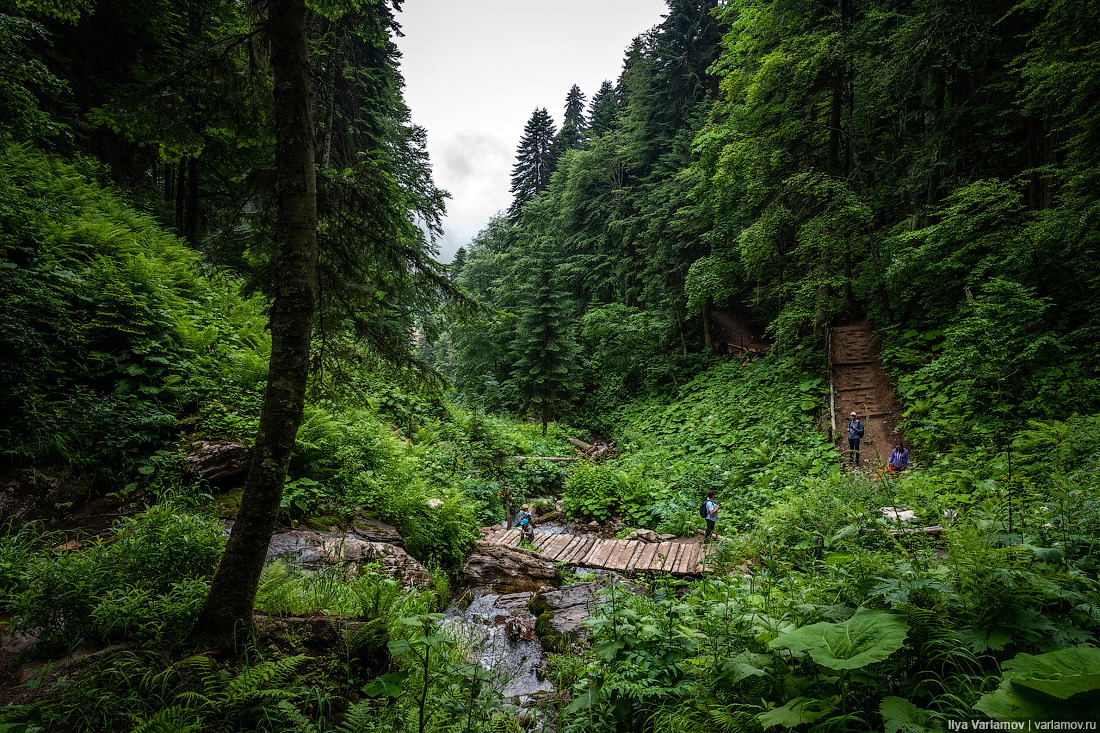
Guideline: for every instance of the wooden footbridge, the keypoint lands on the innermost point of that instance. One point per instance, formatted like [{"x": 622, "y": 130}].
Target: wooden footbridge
[{"x": 676, "y": 557}]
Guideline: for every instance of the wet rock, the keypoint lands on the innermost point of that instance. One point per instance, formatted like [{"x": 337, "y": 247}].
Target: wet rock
[
  {"x": 373, "y": 530},
  {"x": 520, "y": 628},
  {"x": 315, "y": 634},
  {"x": 643, "y": 535},
  {"x": 315, "y": 549},
  {"x": 507, "y": 569},
  {"x": 554, "y": 516},
  {"x": 223, "y": 463},
  {"x": 561, "y": 612},
  {"x": 30, "y": 494},
  {"x": 513, "y": 603}
]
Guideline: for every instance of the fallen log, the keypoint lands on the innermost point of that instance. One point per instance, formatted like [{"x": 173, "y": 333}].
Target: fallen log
[
  {"x": 550, "y": 459},
  {"x": 580, "y": 444}
]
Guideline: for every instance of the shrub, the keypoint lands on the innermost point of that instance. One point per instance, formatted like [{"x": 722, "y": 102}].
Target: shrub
[
  {"x": 590, "y": 491},
  {"x": 145, "y": 582}
]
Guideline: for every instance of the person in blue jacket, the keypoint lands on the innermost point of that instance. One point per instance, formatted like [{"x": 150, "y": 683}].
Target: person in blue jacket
[{"x": 855, "y": 433}]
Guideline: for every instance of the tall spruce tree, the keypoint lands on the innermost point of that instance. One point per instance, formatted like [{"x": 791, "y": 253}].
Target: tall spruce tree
[
  {"x": 603, "y": 112},
  {"x": 573, "y": 124},
  {"x": 535, "y": 160},
  {"x": 545, "y": 349}
]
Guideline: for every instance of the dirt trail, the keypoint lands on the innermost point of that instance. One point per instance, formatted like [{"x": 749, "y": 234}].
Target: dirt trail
[
  {"x": 860, "y": 385},
  {"x": 733, "y": 335}
]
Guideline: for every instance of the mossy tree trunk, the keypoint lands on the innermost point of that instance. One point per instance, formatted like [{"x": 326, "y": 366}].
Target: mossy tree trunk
[{"x": 227, "y": 612}]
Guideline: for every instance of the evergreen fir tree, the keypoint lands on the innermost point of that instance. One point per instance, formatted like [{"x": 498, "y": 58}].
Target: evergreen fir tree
[
  {"x": 604, "y": 110},
  {"x": 573, "y": 125},
  {"x": 545, "y": 349},
  {"x": 458, "y": 262},
  {"x": 535, "y": 160}
]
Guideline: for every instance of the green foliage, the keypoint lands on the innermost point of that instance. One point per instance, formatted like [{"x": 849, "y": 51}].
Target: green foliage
[
  {"x": 867, "y": 637},
  {"x": 1062, "y": 685},
  {"x": 592, "y": 490},
  {"x": 147, "y": 582}
]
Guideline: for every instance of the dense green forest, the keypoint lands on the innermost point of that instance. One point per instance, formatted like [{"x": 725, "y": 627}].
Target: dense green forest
[{"x": 218, "y": 231}]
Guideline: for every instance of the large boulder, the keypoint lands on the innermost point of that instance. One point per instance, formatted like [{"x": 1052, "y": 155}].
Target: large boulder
[
  {"x": 313, "y": 550},
  {"x": 508, "y": 569},
  {"x": 562, "y": 611},
  {"x": 373, "y": 530},
  {"x": 221, "y": 462},
  {"x": 30, "y": 494}
]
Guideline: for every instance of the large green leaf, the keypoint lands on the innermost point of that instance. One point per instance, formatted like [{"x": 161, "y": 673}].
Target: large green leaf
[
  {"x": 795, "y": 713},
  {"x": 902, "y": 716},
  {"x": 867, "y": 637},
  {"x": 1061, "y": 685}
]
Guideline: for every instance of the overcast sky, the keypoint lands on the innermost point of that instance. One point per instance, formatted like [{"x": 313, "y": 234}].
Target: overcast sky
[{"x": 475, "y": 70}]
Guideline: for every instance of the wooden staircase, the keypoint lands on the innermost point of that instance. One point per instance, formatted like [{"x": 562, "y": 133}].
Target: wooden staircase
[{"x": 860, "y": 384}]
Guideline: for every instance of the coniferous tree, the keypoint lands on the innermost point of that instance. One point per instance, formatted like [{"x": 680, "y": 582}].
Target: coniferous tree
[
  {"x": 603, "y": 112},
  {"x": 458, "y": 262},
  {"x": 535, "y": 160},
  {"x": 573, "y": 124},
  {"x": 546, "y": 351}
]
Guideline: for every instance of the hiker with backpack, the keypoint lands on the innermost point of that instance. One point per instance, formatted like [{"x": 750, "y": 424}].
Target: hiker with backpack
[
  {"x": 855, "y": 432},
  {"x": 708, "y": 510}
]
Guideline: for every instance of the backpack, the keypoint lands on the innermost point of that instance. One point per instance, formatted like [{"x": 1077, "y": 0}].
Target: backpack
[{"x": 703, "y": 509}]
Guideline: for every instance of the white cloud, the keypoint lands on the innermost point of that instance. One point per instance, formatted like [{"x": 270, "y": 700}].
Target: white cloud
[{"x": 475, "y": 71}]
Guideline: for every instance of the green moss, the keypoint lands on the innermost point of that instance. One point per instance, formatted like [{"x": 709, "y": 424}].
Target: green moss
[{"x": 323, "y": 522}]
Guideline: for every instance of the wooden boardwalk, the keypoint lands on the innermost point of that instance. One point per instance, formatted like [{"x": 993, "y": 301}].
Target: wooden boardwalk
[{"x": 676, "y": 557}]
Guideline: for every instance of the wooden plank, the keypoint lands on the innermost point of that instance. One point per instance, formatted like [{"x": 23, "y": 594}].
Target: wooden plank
[
  {"x": 632, "y": 561},
  {"x": 510, "y": 537},
  {"x": 554, "y": 546},
  {"x": 618, "y": 559},
  {"x": 491, "y": 535},
  {"x": 630, "y": 552},
  {"x": 609, "y": 549},
  {"x": 571, "y": 542},
  {"x": 661, "y": 557},
  {"x": 673, "y": 558},
  {"x": 570, "y": 554},
  {"x": 597, "y": 548},
  {"x": 693, "y": 566},
  {"x": 645, "y": 560},
  {"x": 541, "y": 538},
  {"x": 672, "y": 564},
  {"x": 685, "y": 559},
  {"x": 583, "y": 549}
]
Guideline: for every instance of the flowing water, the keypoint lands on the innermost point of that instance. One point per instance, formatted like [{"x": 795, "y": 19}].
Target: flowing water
[{"x": 516, "y": 664}]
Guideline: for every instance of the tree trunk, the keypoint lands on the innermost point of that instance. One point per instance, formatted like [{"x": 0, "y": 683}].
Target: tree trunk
[
  {"x": 227, "y": 612},
  {"x": 191, "y": 216}
]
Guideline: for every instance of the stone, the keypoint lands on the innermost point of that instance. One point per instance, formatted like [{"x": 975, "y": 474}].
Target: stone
[
  {"x": 508, "y": 569},
  {"x": 643, "y": 535},
  {"x": 593, "y": 524},
  {"x": 221, "y": 462},
  {"x": 314, "y": 549},
  {"x": 561, "y": 612},
  {"x": 373, "y": 530},
  {"x": 897, "y": 514},
  {"x": 32, "y": 494}
]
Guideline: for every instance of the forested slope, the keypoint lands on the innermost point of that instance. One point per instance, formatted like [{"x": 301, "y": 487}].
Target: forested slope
[{"x": 929, "y": 167}]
